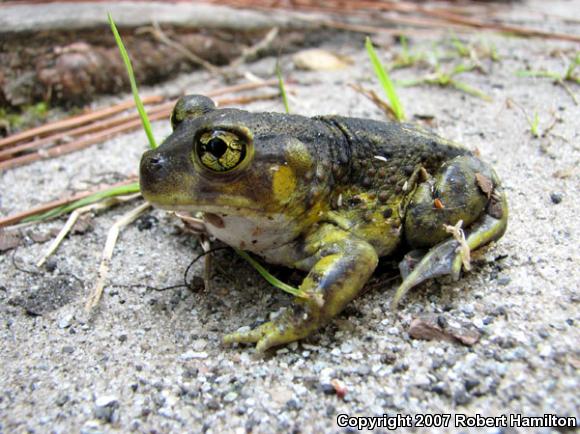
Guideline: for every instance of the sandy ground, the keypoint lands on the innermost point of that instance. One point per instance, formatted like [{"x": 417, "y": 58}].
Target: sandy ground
[{"x": 152, "y": 361}]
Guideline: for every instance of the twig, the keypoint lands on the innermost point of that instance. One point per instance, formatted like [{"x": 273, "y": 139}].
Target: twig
[
  {"x": 376, "y": 99},
  {"x": 133, "y": 123},
  {"x": 74, "y": 121},
  {"x": 194, "y": 58},
  {"x": 74, "y": 216},
  {"x": 76, "y": 145},
  {"x": 252, "y": 51},
  {"x": 448, "y": 17},
  {"x": 112, "y": 236}
]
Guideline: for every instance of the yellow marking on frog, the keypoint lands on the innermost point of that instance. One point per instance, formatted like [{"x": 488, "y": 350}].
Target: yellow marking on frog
[{"x": 283, "y": 183}]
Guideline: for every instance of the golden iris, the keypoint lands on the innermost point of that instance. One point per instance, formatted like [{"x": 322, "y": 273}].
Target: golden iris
[{"x": 221, "y": 151}]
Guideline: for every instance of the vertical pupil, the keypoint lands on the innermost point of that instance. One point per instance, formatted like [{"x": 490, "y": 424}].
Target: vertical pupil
[{"x": 216, "y": 146}]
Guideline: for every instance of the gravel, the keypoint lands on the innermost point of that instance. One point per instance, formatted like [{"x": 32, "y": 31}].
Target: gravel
[{"x": 152, "y": 361}]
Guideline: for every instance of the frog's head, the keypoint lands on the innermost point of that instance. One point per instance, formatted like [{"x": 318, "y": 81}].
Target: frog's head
[{"x": 230, "y": 161}]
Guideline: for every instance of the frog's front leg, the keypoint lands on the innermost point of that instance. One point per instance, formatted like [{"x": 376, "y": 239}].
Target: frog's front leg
[
  {"x": 465, "y": 189},
  {"x": 342, "y": 265}
]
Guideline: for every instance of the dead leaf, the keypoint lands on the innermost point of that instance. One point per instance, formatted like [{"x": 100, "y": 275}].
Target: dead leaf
[
  {"x": 484, "y": 183},
  {"x": 564, "y": 173},
  {"x": 320, "y": 60},
  {"x": 437, "y": 327}
]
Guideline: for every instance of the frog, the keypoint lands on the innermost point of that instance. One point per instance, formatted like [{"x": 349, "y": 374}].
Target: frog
[{"x": 328, "y": 195}]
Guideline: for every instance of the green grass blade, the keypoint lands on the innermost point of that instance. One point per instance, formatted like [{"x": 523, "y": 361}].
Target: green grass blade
[
  {"x": 385, "y": 81},
  {"x": 138, "y": 102},
  {"x": 271, "y": 279},
  {"x": 535, "y": 124},
  {"x": 470, "y": 90},
  {"x": 545, "y": 74},
  {"x": 96, "y": 197},
  {"x": 282, "y": 88}
]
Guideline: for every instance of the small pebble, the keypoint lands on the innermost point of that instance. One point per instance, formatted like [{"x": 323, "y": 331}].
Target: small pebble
[
  {"x": 50, "y": 265},
  {"x": 556, "y": 197},
  {"x": 461, "y": 397},
  {"x": 393, "y": 331},
  {"x": 230, "y": 397},
  {"x": 503, "y": 281},
  {"x": 65, "y": 321},
  {"x": 105, "y": 407},
  {"x": 189, "y": 355},
  {"x": 61, "y": 399},
  {"x": 327, "y": 388}
]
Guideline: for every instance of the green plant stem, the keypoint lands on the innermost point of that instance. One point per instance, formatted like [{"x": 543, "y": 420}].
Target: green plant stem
[
  {"x": 134, "y": 89},
  {"x": 385, "y": 81},
  {"x": 64, "y": 209},
  {"x": 271, "y": 279},
  {"x": 282, "y": 87}
]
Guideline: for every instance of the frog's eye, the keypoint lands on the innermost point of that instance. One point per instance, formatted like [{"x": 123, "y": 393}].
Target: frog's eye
[
  {"x": 221, "y": 151},
  {"x": 190, "y": 106}
]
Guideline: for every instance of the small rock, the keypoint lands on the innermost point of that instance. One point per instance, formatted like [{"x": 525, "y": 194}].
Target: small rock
[
  {"x": 339, "y": 387},
  {"x": 393, "y": 331},
  {"x": 327, "y": 388},
  {"x": 346, "y": 348},
  {"x": 212, "y": 404},
  {"x": 440, "y": 388},
  {"x": 293, "y": 404},
  {"x": 471, "y": 383},
  {"x": 556, "y": 197},
  {"x": 545, "y": 351},
  {"x": 468, "y": 309},
  {"x": 61, "y": 399},
  {"x": 230, "y": 397},
  {"x": 421, "y": 380},
  {"x": 460, "y": 396},
  {"x": 84, "y": 224},
  {"x": 400, "y": 367},
  {"x": 504, "y": 280},
  {"x": 9, "y": 239},
  {"x": 91, "y": 427},
  {"x": 189, "y": 355},
  {"x": 199, "y": 344},
  {"x": 68, "y": 349},
  {"x": 65, "y": 321},
  {"x": 50, "y": 265},
  {"x": 146, "y": 222},
  {"x": 388, "y": 358},
  {"x": 105, "y": 407}
]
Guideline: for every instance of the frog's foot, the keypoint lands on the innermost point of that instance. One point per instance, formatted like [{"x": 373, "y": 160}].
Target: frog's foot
[
  {"x": 340, "y": 271},
  {"x": 290, "y": 326},
  {"x": 465, "y": 188}
]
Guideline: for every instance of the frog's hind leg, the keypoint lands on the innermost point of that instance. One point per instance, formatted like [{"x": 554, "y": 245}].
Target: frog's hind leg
[
  {"x": 465, "y": 189},
  {"x": 340, "y": 264}
]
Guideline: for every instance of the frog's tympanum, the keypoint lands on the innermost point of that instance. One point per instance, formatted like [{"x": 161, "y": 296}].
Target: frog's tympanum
[{"x": 328, "y": 195}]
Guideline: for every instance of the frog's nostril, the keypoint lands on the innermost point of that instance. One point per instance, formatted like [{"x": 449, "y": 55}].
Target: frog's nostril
[{"x": 156, "y": 162}]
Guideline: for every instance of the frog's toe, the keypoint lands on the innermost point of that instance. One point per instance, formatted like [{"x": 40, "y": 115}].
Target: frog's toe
[
  {"x": 271, "y": 334},
  {"x": 440, "y": 260},
  {"x": 250, "y": 336}
]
